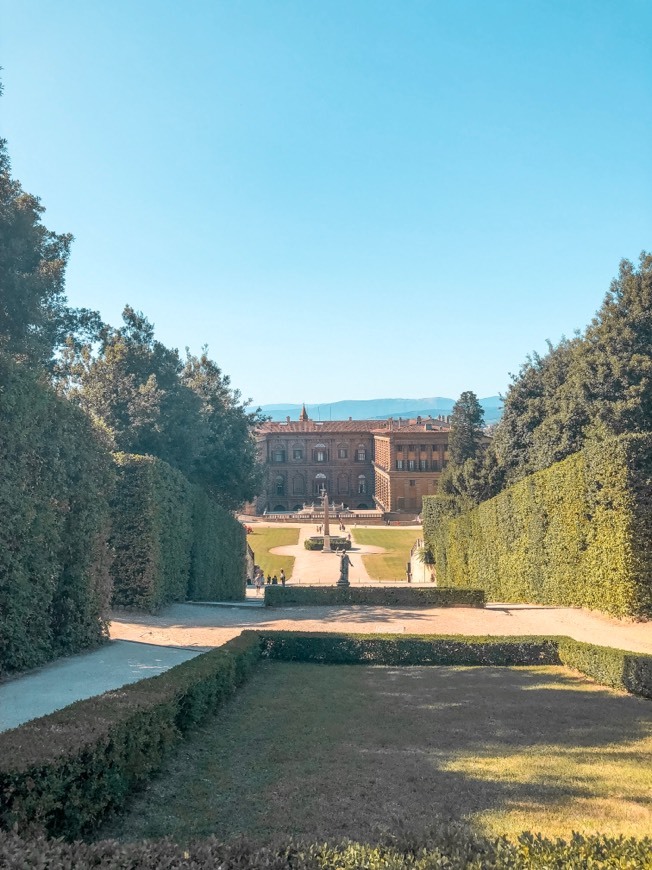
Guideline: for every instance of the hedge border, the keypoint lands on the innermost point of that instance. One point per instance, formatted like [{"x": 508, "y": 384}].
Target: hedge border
[
  {"x": 64, "y": 771},
  {"x": 373, "y": 596},
  {"x": 453, "y": 846}
]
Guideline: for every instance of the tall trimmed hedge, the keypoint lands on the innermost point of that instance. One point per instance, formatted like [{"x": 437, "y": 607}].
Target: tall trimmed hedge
[
  {"x": 171, "y": 540},
  {"x": 576, "y": 534},
  {"x": 55, "y": 479},
  {"x": 217, "y": 566},
  {"x": 151, "y": 533}
]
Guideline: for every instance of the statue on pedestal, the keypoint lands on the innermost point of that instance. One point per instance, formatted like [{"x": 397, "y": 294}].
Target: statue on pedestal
[{"x": 344, "y": 569}]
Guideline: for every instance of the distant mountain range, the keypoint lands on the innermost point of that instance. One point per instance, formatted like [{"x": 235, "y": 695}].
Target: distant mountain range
[{"x": 381, "y": 409}]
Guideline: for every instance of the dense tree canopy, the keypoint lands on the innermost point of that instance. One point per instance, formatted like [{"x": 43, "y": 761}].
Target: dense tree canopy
[
  {"x": 34, "y": 316},
  {"x": 591, "y": 386},
  {"x": 150, "y": 401}
]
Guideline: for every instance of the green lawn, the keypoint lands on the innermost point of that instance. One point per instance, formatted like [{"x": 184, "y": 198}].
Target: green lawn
[
  {"x": 264, "y": 539},
  {"x": 327, "y": 752},
  {"x": 397, "y": 542}
]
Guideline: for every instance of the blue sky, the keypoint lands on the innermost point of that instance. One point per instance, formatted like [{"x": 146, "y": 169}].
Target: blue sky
[{"x": 345, "y": 198}]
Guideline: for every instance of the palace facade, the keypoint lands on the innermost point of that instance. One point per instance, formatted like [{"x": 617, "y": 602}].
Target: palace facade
[{"x": 365, "y": 464}]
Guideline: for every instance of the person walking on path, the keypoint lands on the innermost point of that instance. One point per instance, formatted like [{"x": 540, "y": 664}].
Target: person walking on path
[
  {"x": 282, "y": 577},
  {"x": 259, "y": 582}
]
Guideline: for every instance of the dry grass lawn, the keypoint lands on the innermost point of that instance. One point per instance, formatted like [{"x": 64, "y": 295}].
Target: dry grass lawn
[
  {"x": 397, "y": 542},
  {"x": 265, "y": 538},
  {"x": 325, "y": 752}
]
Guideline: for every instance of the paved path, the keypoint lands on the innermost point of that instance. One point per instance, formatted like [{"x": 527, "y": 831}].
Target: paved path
[
  {"x": 313, "y": 566},
  {"x": 82, "y": 676},
  {"x": 204, "y": 626}
]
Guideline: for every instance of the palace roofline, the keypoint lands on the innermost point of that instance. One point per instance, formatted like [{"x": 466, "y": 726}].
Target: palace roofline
[{"x": 427, "y": 424}]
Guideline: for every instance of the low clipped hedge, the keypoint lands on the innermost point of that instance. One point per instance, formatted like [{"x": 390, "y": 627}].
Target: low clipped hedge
[
  {"x": 374, "y": 596},
  {"x": 411, "y": 649},
  {"x": 576, "y": 534},
  {"x": 450, "y": 846},
  {"x": 618, "y": 668},
  {"x": 64, "y": 771},
  {"x": 316, "y": 542}
]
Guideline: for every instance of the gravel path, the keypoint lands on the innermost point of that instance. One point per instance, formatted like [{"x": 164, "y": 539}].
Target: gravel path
[{"x": 193, "y": 625}]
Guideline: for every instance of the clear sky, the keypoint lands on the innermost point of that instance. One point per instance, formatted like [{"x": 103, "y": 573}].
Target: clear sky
[{"x": 342, "y": 198}]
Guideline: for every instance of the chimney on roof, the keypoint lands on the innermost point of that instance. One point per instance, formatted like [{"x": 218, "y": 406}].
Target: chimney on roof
[
  {"x": 303, "y": 416},
  {"x": 287, "y": 419},
  {"x": 418, "y": 419},
  {"x": 350, "y": 418}
]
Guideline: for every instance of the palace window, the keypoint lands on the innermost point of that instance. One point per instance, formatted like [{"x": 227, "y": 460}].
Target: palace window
[
  {"x": 423, "y": 465},
  {"x": 423, "y": 447},
  {"x": 435, "y": 465},
  {"x": 278, "y": 455},
  {"x": 280, "y": 486},
  {"x": 412, "y": 464},
  {"x": 399, "y": 465},
  {"x": 362, "y": 483},
  {"x": 297, "y": 453},
  {"x": 342, "y": 453},
  {"x": 413, "y": 483},
  {"x": 320, "y": 484},
  {"x": 361, "y": 453},
  {"x": 411, "y": 447}
]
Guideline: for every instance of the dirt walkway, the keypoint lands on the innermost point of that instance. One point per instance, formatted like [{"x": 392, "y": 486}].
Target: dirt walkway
[{"x": 192, "y": 625}]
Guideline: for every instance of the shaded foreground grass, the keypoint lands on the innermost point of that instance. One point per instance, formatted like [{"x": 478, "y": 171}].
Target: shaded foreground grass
[
  {"x": 325, "y": 752},
  {"x": 397, "y": 542},
  {"x": 263, "y": 539}
]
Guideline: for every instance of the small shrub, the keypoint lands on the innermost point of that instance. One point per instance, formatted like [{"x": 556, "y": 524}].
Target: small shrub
[{"x": 316, "y": 542}]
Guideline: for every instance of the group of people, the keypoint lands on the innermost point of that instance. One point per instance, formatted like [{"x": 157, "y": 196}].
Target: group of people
[
  {"x": 320, "y": 528},
  {"x": 259, "y": 579}
]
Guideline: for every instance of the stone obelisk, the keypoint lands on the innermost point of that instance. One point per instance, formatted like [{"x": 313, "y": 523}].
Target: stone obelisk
[{"x": 327, "y": 531}]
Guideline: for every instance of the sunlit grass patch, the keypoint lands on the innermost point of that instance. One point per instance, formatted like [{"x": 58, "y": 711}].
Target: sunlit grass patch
[
  {"x": 265, "y": 538},
  {"x": 397, "y": 543}
]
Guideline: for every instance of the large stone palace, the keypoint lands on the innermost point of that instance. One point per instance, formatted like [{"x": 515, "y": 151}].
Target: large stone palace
[{"x": 365, "y": 464}]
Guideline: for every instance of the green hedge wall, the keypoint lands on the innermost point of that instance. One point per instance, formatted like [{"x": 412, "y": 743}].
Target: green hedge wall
[
  {"x": 450, "y": 846},
  {"x": 375, "y": 596},
  {"x": 577, "y": 534},
  {"x": 55, "y": 479},
  {"x": 171, "y": 541},
  {"x": 65, "y": 771},
  {"x": 217, "y": 566},
  {"x": 151, "y": 533}
]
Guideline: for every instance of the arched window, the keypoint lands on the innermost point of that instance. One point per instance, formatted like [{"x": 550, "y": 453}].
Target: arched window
[
  {"x": 361, "y": 453},
  {"x": 320, "y": 484},
  {"x": 280, "y": 485},
  {"x": 343, "y": 484},
  {"x": 362, "y": 483},
  {"x": 298, "y": 484},
  {"x": 319, "y": 453}
]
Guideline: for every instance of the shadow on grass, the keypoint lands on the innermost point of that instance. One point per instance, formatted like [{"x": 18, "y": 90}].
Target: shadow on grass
[{"x": 348, "y": 751}]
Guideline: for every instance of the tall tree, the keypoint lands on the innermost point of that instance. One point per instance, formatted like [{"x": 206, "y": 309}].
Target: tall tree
[
  {"x": 466, "y": 428},
  {"x": 617, "y": 366},
  {"x": 34, "y": 315},
  {"x": 226, "y": 464}
]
